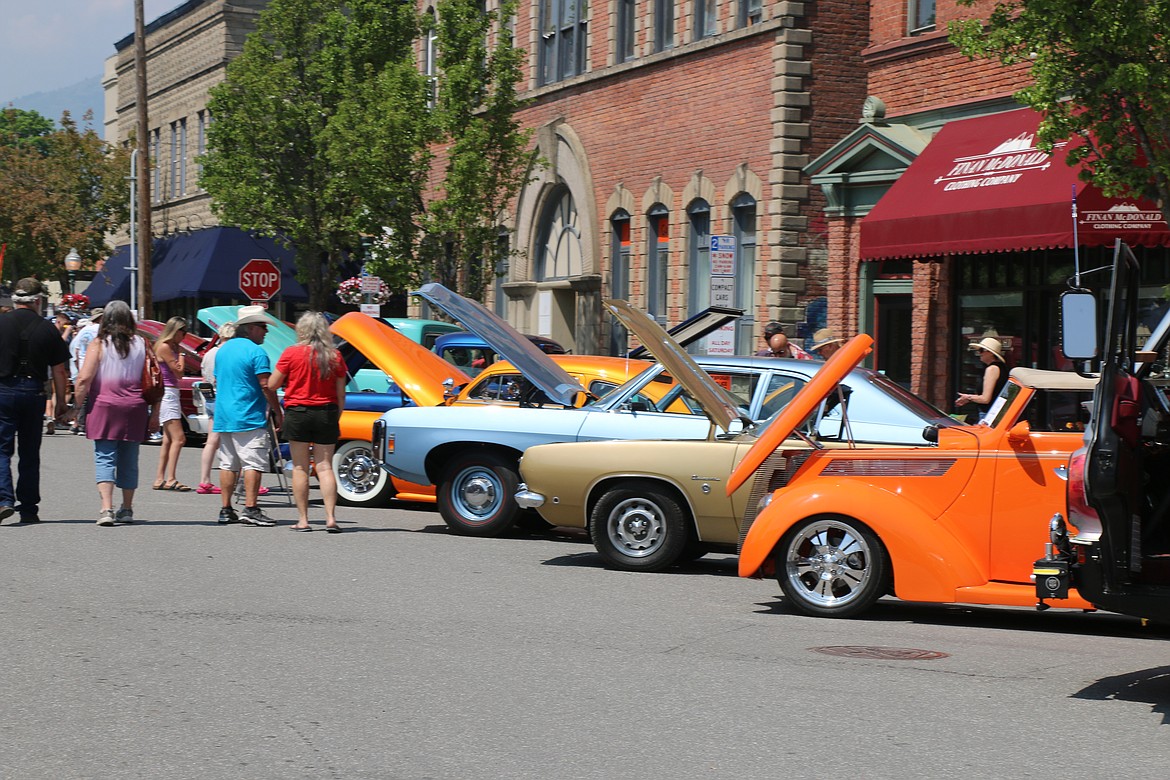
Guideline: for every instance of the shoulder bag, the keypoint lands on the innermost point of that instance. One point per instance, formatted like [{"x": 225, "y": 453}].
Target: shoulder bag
[{"x": 152, "y": 381}]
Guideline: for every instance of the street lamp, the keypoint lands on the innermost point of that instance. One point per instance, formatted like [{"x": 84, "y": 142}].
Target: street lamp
[{"x": 72, "y": 265}]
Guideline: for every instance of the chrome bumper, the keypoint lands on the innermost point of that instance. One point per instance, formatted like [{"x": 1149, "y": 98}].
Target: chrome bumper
[{"x": 527, "y": 499}]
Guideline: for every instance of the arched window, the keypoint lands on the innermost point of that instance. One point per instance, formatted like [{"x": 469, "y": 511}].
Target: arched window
[
  {"x": 658, "y": 261},
  {"x": 699, "y": 256},
  {"x": 619, "y": 277},
  {"x": 560, "y": 239},
  {"x": 743, "y": 214}
]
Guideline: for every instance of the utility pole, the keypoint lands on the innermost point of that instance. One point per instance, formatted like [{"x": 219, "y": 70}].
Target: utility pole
[{"x": 143, "y": 173}]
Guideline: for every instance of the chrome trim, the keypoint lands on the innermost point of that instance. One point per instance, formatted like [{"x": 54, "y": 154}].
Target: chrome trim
[{"x": 528, "y": 499}]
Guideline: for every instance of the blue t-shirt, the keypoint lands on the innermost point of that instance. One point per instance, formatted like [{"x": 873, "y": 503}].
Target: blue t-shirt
[{"x": 240, "y": 404}]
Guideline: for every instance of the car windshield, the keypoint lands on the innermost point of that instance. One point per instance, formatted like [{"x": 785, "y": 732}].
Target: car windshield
[
  {"x": 927, "y": 411},
  {"x": 651, "y": 374}
]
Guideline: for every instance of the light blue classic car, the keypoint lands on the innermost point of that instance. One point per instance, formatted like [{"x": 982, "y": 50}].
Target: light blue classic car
[{"x": 471, "y": 454}]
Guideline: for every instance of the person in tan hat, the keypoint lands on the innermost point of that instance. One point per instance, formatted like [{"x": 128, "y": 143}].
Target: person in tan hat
[
  {"x": 31, "y": 350},
  {"x": 990, "y": 352},
  {"x": 826, "y": 342},
  {"x": 243, "y": 402}
]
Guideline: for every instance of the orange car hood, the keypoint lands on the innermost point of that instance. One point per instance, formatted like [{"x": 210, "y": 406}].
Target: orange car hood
[
  {"x": 818, "y": 388},
  {"x": 418, "y": 371}
]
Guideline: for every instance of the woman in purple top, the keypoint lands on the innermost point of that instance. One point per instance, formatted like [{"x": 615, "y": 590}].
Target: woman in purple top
[
  {"x": 170, "y": 361},
  {"x": 117, "y": 418}
]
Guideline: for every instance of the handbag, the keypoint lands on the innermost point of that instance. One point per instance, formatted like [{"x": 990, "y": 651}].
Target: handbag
[{"x": 152, "y": 381}]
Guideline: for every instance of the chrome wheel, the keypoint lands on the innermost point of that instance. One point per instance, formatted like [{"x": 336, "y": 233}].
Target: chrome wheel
[
  {"x": 636, "y": 527},
  {"x": 477, "y": 495},
  {"x": 832, "y": 567},
  {"x": 639, "y": 526},
  {"x": 360, "y": 481}
]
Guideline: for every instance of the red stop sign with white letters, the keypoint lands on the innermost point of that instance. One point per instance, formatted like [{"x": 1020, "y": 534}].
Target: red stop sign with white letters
[{"x": 259, "y": 279}]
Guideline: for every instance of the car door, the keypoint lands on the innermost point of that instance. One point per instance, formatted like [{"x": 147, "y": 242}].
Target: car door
[
  {"x": 1029, "y": 486},
  {"x": 626, "y": 423}
]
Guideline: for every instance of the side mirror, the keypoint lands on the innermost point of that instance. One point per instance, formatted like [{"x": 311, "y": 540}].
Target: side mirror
[
  {"x": 1078, "y": 325},
  {"x": 1020, "y": 432}
]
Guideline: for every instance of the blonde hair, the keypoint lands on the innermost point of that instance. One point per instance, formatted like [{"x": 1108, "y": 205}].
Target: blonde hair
[
  {"x": 227, "y": 331},
  {"x": 313, "y": 329},
  {"x": 173, "y": 326}
]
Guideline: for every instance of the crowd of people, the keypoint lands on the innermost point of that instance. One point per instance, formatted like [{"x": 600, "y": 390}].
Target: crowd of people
[{"x": 108, "y": 406}]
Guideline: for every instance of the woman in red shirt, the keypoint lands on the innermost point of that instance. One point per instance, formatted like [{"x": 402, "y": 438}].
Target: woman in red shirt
[{"x": 313, "y": 376}]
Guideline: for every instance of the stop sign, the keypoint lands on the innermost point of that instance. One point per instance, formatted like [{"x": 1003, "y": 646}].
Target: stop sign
[{"x": 259, "y": 279}]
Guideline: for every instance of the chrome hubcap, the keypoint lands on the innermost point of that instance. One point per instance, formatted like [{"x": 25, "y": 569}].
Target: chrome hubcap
[
  {"x": 478, "y": 493},
  {"x": 357, "y": 471},
  {"x": 636, "y": 527},
  {"x": 829, "y": 564}
]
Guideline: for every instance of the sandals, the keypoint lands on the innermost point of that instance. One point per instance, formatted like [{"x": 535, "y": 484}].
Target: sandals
[
  {"x": 332, "y": 529},
  {"x": 302, "y": 529},
  {"x": 173, "y": 485}
]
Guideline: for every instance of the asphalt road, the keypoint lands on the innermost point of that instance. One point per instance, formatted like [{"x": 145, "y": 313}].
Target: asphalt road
[{"x": 182, "y": 649}]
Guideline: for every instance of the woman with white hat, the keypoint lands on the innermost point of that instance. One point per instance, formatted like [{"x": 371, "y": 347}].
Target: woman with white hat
[{"x": 995, "y": 374}]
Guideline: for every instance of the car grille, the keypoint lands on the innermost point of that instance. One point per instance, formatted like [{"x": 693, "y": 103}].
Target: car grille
[{"x": 772, "y": 475}]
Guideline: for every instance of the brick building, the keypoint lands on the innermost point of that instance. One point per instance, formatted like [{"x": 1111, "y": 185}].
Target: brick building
[
  {"x": 187, "y": 51},
  {"x": 926, "y": 251}
]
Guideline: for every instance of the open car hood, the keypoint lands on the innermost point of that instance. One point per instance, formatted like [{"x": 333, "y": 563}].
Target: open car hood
[
  {"x": 514, "y": 346},
  {"x": 419, "y": 372},
  {"x": 717, "y": 403},
  {"x": 280, "y": 335},
  {"x": 694, "y": 328},
  {"x": 822, "y": 384}
]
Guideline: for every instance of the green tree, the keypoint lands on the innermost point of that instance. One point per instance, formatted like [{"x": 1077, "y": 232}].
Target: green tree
[
  {"x": 1101, "y": 73},
  {"x": 317, "y": 139},
  {"x": 60, "y": 189},
  {"x": 486, "y": 152}
]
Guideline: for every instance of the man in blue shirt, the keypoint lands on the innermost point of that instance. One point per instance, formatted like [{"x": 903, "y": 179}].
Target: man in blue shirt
[{"x": 242, "y": 404}]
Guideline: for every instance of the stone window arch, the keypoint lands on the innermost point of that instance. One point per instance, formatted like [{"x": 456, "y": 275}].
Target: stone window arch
[{"x": 559, "y": 251}]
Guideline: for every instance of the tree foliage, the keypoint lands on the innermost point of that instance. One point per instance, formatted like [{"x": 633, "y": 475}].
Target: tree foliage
[
  {"x": 324, "y": 130},
  {"x": 59, "y": 189},
  {"x": 486, "y": 153},
  {"x": 313, "y": 140},
  {"x": 1101, "y": 72}
]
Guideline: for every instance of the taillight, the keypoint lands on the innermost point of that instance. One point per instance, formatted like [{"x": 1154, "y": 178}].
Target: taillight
[{"x": 1080, "y": 514}]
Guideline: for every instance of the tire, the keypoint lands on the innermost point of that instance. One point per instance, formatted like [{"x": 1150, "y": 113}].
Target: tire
[
  {"x": 477, "y": 495},
  {"x": 832, "y": 567},
  {"x": 360, "y": 481},
  {"x": 637, "y": 526}
]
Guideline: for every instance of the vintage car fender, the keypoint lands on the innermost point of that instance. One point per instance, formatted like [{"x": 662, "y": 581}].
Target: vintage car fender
[{"x": 929, "y": 563}]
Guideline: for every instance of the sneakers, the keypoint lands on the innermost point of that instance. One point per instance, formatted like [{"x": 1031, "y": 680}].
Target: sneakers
[
  {"x": 155, "y": 437},
  {"x": 253, "y": 515},
  {"x": 228, "y": 515},
  {"x": 207, "y": 487},
  {"x": 106, "y": 518},
  {"x": 6, "y": 512},
  {"x": 124, "y": 515},
  {"x": 50, "y": 427}
]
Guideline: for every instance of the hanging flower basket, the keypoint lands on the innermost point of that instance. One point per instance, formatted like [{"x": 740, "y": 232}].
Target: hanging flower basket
[
  {"x": 75, "y": 302},
  {"x": 350, "y": 291}
]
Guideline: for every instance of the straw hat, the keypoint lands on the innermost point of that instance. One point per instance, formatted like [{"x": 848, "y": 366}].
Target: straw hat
[
  {"x": 824, "y": 337},
  {"x": 249, "y": 314},
  {"x": 992, "y": 345}
]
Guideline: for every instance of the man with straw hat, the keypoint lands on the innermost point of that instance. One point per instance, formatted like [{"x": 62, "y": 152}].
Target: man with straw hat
[
  {"x": 826, "y": 342},
  {"x": 30, "y": 349}
]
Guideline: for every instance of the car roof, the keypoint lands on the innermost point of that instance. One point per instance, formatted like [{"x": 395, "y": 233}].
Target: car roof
[{"x": 1041, "y": 379}]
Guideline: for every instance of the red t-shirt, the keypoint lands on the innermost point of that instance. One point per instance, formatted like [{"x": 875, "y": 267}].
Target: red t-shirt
[{"x": 303, "y": 385}]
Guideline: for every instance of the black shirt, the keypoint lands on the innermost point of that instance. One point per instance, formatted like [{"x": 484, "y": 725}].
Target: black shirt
[{"x": 45, "y": 345}]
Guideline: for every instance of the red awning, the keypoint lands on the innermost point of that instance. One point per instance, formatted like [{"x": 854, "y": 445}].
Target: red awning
[{"x": 982, "y": 186}]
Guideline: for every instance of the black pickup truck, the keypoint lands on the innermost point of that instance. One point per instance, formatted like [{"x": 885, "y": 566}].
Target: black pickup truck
[{"x": 1113, "y": 545}]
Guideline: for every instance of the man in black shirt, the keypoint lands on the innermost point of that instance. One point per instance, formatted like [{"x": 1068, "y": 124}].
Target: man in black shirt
[{"x": 30, "y": 348}]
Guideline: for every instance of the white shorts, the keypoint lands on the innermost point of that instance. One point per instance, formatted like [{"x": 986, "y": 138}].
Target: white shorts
[
  {"x": 247, "y": 449},
  {"x": 169, "y": 406}
]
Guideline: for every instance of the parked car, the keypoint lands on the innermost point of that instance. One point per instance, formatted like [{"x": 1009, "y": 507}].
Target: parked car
[
  {"x": 424, "y": 332},
  {"x": 1111, "y": 544},
  {"x": 958, "y": 521},
  {"x": 413, "y": 376},
  {"x": 472, "y": 455},
  {"x": 473, "y": 354},
  {"x": 651, "y": 504}
]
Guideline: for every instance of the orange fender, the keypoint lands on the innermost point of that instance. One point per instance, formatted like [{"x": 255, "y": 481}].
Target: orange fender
[{"x": 929, "y": 563}]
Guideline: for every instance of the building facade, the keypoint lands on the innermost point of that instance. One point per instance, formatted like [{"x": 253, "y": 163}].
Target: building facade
[{"x": 935, "y": 203}]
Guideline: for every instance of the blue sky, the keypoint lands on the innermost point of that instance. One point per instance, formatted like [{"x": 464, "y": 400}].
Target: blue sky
[{"x": 49, "y": 44}]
